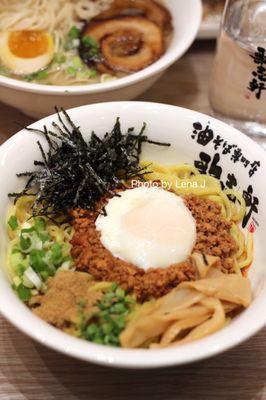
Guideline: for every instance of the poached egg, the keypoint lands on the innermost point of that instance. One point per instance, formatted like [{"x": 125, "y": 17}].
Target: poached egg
[{"x": 148, "y": 227}]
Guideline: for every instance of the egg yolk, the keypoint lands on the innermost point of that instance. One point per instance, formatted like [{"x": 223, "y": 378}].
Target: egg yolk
[{"x": 28, "y": 44}]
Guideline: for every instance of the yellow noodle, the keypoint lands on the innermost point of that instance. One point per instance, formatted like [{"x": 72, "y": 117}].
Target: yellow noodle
[
  {"x": 239, "y": 214},
  {"x": 248, "y": 253},
  {"x": 48, "y": 15},
  {"x": 102, "y": 286}
]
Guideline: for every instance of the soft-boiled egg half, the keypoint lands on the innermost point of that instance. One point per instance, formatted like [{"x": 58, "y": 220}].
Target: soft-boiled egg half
[
  {"x": 148, "y": 227},
  {"x": 25, "y": 52}
]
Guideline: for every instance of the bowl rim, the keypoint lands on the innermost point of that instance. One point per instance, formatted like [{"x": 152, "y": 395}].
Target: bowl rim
[
  {"x": 168, "y": 58},
  {"x": 22, "y": 318}
]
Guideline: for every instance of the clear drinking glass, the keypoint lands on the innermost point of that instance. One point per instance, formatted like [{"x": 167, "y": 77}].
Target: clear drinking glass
[{"x": 238, "y": 82}]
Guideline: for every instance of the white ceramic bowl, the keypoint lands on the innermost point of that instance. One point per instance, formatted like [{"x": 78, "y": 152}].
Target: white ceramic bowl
[
  {"x": 164, "y": 123},
  {"x": 39, "y": 100}
]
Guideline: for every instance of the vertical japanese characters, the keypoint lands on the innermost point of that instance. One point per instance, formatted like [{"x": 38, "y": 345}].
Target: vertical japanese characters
[
  {"x": 257, "y": 84},
  {"x": 210, "y": 164}
]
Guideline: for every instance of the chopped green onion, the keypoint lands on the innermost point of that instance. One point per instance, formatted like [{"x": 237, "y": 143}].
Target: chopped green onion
[
  {"x": 118, "y": 308},
  {"x": 21, "y": 269},
  {"x": 25, "y": 243},
  {"x": 41, "y": 75},
  {"x": 92, "y": 329},
  {"x": 72, "y": 41},
  {"x": 66, "y": 266},
  {"x": 4, "y": 71},
  {"x": 86, "y": 73},
  {"x": 120, "y": 292},
  {"x": 56, "y": 254},
  {"x": 44, "y": 236},
  {"x": 108, "y": 323},
  {"x": 45, "y": 274},
  {"x": 90, "y": 50},
  {"x": 32, "y": 278},
  {"x": 77, "y": 62},
  {"x": 113, "y": 287},
  {"x": 71, "y": 71},
  {"x": 24, "y": 293},
  {"x": 59, "y": 58},
  {"x": 120, "y": 321},
  {"x": 36, "y": 76},
  {"x": 37, "y": 260},
  {"x": 93, "y": 73},
  {"x": 27, "y": 230},
  {"x": 74, "y": 33},
  {"x": 39, "y": 224},
  {"x": 89, "y": 42},
  {"x": 36, "y": 256},
  {"x": 13, "y": 222},
  {"x": 16, "y": 281}
]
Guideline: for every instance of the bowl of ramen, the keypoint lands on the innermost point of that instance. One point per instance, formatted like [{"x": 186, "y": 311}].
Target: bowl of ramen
[
  {"x": 133, "y": 238},
  {"x": 81, "y": 52}
]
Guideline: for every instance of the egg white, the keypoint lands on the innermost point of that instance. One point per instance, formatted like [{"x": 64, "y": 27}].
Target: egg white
[
  {"x": 148, "y": 227},
  {"x": 24, "y": 66}
]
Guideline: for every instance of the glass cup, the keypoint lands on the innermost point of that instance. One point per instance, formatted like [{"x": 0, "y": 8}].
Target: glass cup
[{"x": 238, "y": 81}]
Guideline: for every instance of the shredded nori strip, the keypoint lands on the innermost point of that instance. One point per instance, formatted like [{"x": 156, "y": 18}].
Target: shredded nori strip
[{"x": 75, "y": 173}]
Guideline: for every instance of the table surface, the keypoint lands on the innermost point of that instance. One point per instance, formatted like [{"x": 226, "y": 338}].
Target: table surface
[{"x": 31, "y": 371}]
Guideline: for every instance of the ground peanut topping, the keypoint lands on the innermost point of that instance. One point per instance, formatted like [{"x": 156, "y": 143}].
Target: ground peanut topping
[{"x": 67, "y": 292}]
